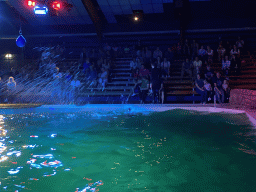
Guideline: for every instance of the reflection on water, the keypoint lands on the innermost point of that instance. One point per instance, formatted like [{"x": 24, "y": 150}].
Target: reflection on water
[{"x": 166, "y": 151}]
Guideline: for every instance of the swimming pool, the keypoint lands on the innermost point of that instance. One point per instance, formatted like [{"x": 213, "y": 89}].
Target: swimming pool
[{"x": 126, "y": 148}]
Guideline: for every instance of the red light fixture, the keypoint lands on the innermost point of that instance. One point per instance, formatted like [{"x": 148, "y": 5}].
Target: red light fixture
[
  {"x": 56, "y": 5},
  {"x": 31, "y": 3}
]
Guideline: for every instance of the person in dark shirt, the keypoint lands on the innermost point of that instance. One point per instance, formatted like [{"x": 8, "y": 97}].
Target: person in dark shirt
[
  {"x": 200, "y": 88},
  {"x": 156, "y": 82},
  {"x": 186, "y": 67},
  {"x": 219, "y": 92},
  {"x": 208, "y": 74}
]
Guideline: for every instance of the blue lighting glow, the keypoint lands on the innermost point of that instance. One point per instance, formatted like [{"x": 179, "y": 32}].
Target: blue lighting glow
[{"x": 40, "y": 10}]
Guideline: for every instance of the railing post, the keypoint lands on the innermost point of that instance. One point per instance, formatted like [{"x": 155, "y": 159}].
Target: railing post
[{"x": 193, "y": 95}]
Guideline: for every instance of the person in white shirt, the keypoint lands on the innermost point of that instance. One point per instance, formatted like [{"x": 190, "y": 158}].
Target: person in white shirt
[
  {"x": 197, "y": 64},
  {"x": 208, "y": 88},
  {"x": 11, "y": 90}
]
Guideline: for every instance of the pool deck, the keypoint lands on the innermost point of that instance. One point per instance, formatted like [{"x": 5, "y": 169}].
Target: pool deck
[{"x": 32, "y": 108}]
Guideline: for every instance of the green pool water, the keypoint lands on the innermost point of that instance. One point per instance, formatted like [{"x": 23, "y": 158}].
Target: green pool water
[{"x": 172, "y": 151}]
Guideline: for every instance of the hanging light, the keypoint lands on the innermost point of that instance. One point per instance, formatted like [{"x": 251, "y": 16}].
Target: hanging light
[
  {"x": 40, "y": 10},
  {"x": 31, "y": 3},
  {"x": 8, "y": 56},
  {"x": 56, "y": 5},
  {"x": 20, "y": 41}
]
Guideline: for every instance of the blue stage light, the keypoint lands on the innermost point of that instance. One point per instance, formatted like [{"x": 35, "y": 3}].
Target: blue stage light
[{"x": 40, "y": 10}]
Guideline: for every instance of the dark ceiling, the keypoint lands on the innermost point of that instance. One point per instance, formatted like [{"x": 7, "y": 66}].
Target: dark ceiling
[{"x": 158, "y": 15}]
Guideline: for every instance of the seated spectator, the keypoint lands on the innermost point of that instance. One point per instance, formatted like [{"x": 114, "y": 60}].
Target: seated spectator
[
  {"x": 200, "y": 88},
  {"x": 86, "y": 65},
  {"x": 137, "y": 81},
  {"x": 158, "y": 62},
  {"x": 157, "y": 53},
  {"x": 194, "y": 49},
  {"x": 103, "y": 78},
  {"x": 235, "y": 65},
  {"x": 186, "y": 48},
  {"x": 219, "y": 92},
  {"x": 143, "y": 71},
  {"x": 186, "y": 67},
  {"x": 208, "y": 89},
  {"x": 147, "y": 59},
  {"x": 235, "y": 51},
  {"x": 202, "y": 54},
  {"x": 208, "y": 74},
  {"x": 136, "y": 74},
  {"x": 178, "y": 50},
  {"x": 11, "y": 90},
  {"x": 226, "y": 66},
  {"x": 240, "y": 44},
  {"x": 197, "y": 64},
  {"x": 93, "y": 77},
  {"x": 144, "y": 88},
  {"x": 165, "y": 66},
  {"x": 133, "y": 65},
  {"x": 169, "y": 55},
  {"x": 221, "y": 52},
  {"x": 139, "y": 62},
  {"x": 209, "y": 54}
]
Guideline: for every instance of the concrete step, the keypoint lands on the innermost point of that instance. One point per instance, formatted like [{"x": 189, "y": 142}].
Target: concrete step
[
  {"x": 105, "y": 93},
  {"x": 122, "y": 78},
  {"x": 126, "y": 83},
  {"x": 122, "y": 69},
  {"x": 121, "y": 74}
]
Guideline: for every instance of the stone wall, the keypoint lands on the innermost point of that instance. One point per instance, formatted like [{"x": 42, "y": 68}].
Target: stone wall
[{"x": 243, "y": 98}]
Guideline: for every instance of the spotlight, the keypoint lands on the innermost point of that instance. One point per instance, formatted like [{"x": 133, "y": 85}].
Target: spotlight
[
  {"x": 56, "y": 5},
  {"x": 31, "y": 3},
  {"x": 8, "y": 56},
  {"x": 40, "y": 10},
  {"x": 137, "y": 15}
]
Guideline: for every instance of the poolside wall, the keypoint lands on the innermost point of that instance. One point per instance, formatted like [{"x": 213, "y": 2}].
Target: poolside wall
[{"x": 243, "y": 98}]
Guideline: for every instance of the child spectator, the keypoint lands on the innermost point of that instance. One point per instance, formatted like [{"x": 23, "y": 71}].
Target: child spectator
[
  {"x": 208, "y": 88},
  {"x": 186, "y": 67},
  {"x": 165, "y": 66}
]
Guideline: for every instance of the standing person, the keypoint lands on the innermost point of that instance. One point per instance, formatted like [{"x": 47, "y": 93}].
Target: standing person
[
  {"x": 75, "y": 89},
  {"x": 202, "y": 54},
  {"x": 219, "y": 92},
  {"x": 200, "y": 88},
  {"x": 240, "y": 45},
  {"x": 165, "y": 66},
  {"x": 11, "y": 90},
  {"x": 157, "y": 53},
  {"x": 226, "y": 90},
  {"x": 156, "y": 83},
  {"x": 148, "y": 56},
  {"x": 144, "y": 87},
  {"x": 194, "y": 50}
]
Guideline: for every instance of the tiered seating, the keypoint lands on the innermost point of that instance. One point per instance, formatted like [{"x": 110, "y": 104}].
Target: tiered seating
[{"x": 247, "y": 79}]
